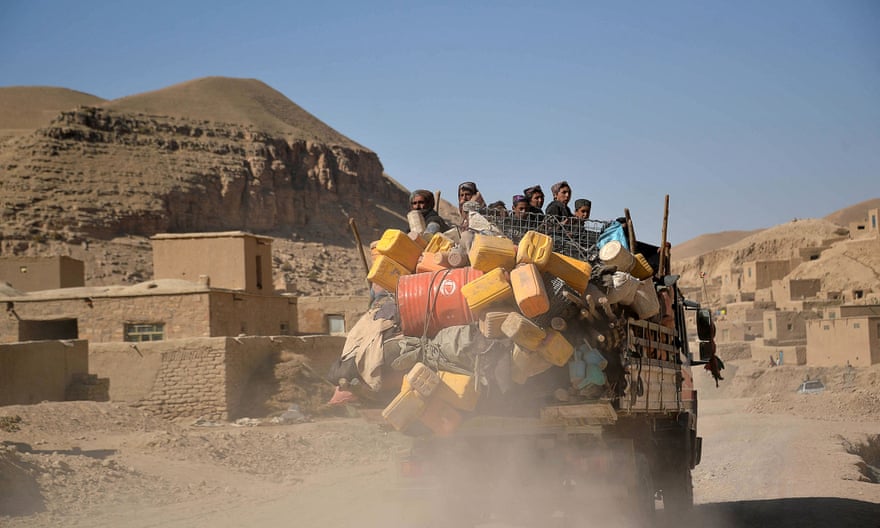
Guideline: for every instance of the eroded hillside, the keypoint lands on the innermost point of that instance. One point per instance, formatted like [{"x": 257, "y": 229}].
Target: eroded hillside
[{"x": 96, "y": 181}]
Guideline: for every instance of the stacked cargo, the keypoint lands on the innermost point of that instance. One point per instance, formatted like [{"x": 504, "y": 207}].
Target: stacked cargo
[{"x": 535, "y": 309}]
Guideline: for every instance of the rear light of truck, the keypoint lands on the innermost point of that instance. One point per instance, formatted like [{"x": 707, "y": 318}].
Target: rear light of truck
[
  {"x": 592, "y": 464},
  {"x": 412, "y": 468}
]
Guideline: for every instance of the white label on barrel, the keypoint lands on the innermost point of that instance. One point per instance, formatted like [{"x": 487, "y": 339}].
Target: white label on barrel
[{"x": 447, "y": 287}]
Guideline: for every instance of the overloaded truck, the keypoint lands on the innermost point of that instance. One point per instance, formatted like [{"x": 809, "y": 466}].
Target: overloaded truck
[{"x": 541, "y": 365}]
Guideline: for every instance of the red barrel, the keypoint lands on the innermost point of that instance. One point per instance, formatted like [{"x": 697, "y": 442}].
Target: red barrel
[{"x": 434, "y": 298}]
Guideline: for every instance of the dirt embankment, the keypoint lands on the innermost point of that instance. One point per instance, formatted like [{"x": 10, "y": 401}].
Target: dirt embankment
[{"x": 850, "y": 393}]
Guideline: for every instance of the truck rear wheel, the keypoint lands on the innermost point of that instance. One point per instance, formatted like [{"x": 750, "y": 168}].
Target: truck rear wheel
[
  {"x": 678, "y": 493},
  {"x": 643, "y": 494}
]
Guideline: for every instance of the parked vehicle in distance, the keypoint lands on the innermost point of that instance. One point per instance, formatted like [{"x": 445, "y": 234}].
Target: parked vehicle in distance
[{"x": 811, "y": 387}]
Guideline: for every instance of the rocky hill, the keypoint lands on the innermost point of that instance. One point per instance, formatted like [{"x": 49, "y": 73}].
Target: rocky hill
[
  {"x": 212, "y": 154},
  {"x": 26, "y": 108},
  {"x": 94, "y": 179}
]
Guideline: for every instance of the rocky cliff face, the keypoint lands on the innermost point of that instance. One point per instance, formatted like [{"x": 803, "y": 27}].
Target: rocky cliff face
[
  {"x": 95, "y": 183},
  {"x": 95, "y": 173}
]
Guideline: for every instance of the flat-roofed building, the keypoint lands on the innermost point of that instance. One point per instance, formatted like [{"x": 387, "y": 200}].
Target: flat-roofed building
[{"x": 42, "y": 273}]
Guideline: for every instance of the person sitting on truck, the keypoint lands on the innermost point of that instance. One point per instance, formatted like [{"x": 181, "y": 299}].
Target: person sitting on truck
[
  {"x": 559, "y": 206},
  {"x": 535, "y": 196},
  {"x": 422, "y": 200},
  {"x": 520, "y": 205},
  {"x": 498, "y": 208},
  {"x": 582, "y": 208},
  {"x": 468, "y": 192}
]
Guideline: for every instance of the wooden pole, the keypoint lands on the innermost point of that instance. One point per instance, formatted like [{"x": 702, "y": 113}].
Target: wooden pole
[
  {"x": 664, "y": 253},
  {"x": 357, "y": 237},
  {"x": 437, "y": 200},
  {"x": 630, "y": 231}
]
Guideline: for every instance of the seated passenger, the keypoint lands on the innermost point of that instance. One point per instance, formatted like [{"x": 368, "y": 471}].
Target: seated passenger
[
  {"x": 582, "y": 208},
  {"x": 498, "y": 208},
  {"x": 535, "y": 196},
  {"x": 559, "y": 206},
  {"x": 422, "y": 200},
  {"x": 468, "y": 192},
  {"x": 520, "y": 206}
]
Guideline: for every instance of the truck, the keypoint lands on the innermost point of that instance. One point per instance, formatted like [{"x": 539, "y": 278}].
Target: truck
[{"x": 601, "y": 431}]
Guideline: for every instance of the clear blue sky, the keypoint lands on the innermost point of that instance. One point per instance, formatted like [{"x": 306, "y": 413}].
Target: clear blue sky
[{"x": 747, "y": 113}]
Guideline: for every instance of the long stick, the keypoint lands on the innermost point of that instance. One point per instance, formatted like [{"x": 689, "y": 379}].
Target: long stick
[
  {"x": 630, "y": 231},
  {"x": 437, "y": 200},
  {"x": 357, "y": 237},
  {"x": 664, "y": 253}
]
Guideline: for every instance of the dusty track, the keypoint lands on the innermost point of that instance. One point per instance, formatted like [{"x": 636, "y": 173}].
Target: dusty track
[{"x": 757, "y": 470}]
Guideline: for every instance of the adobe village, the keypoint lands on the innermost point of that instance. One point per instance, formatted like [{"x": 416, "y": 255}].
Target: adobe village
[{"x": 178, "y": 274}]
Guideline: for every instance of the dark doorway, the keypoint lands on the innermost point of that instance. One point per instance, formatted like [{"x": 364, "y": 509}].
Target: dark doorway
[{"x": 48, "y": 330}]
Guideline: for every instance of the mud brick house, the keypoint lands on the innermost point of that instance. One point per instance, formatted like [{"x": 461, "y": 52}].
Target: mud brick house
[
  {"x": 760, "y": 274},
  {"x": 848, "y": 334},
  {"x": 870, "y": 226},
  {"x": 183, "y": 344},
  {"x": 206, "y": 285},
  {"x": 42, "y": 273}
]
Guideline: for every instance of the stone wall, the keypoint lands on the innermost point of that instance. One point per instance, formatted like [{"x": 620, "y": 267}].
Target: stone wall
[
  {"x": 312, "y": 312},
  {"x": 191, "y": 381},
  {"x": 201, "y": 314},
  {"x": 35, "y": 371},
  {"x": 199, "y": 377},
  {"x": 101, "y": 319}
]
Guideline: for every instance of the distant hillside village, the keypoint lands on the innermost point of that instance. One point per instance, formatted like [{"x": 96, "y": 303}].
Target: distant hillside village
[
  {"x": 185, "y": 343},
  {"x": 783, "y": 321}
]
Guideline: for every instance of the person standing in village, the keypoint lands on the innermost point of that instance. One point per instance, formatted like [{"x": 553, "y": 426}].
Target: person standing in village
[
  {"x": 559, "y": 206},
  {"x": 422, "y": 200}
]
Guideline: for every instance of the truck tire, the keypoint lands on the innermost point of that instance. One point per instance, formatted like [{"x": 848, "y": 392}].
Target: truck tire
[
  {"x": 678, "y": 494},
  {"x": 643, "y": 495}
]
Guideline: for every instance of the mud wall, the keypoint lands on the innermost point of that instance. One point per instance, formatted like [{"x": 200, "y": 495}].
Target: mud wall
[
  {"x": 198, "y": 377},
  {"x": 35, "y": 371}
]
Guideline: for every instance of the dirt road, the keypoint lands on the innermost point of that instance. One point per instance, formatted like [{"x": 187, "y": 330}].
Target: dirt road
[
  {"x": 780, "y": 470},
  {"x": 757, "y": 470}
]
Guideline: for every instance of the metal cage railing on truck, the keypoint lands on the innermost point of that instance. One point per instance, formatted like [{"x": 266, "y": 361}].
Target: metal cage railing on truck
[{"x": 571, "y": 237}]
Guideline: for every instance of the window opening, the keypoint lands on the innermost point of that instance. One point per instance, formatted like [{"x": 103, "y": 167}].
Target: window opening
[
  {"x": 335, "y": 324},
  {"x": 140, "y": 332}
]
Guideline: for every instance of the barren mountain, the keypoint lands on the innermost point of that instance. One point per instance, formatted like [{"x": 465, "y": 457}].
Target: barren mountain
[
  {"x": 211, "y": 154},
  {"x": 94, "y": 179},
  {"x": 853, "y": 213},
  {"x": 709, "y": 242},
  {"x": 25, "y": 108}
]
